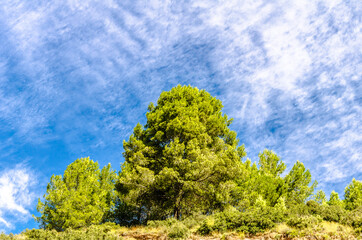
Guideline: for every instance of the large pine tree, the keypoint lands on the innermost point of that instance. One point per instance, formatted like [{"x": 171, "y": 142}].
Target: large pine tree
[{"x": 183, "y": 160}]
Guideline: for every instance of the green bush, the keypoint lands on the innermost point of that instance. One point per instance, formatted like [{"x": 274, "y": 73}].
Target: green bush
[
  {"x": 353, "y": 218},
  {"x": 332, "y": 213},
  {"x": 162, "y": 223},
  {"x": 312, "y": 207},
  {"x": 256, "y": 220},
  {"x": 194, "y": 220},
  {"x": 3, "y": 236},
  {"x": 206, "y": 228},
  {"x": 93, "y": 232},
  {"x": 175, "y": 229},
  {"x": 300, "y": 209},
  {"x": 252, "y": 221},
  {"x": 40, "y": 234},
  {"x": 302, "y": 222},
  {"x": 178, "y": 230}
]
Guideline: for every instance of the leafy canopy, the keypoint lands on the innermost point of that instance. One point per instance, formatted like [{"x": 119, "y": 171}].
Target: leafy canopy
[
  {"x": 297, "y": 181},
  {"x": 183, "y": 160},
  {"x": 83, "y": 196},
  {"x": 353, "y": 195}
]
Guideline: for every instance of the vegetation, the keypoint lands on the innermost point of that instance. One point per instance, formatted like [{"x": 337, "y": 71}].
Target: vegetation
[
  {"x": 82, "y": 197},
  {"x": 184, "y": 175},
  {"x": 185, "y": 159}
]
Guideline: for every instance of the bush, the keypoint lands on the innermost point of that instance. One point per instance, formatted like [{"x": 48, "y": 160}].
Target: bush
[
  {"x": 178, "y": 230},
  {"x": 3, "y": 236},
  {"x": 162, "y": 223},
  {"x": 256, "y": 221},
  {"x": 206, "y": 227},
  {"x": 40, "y": 234},
  {"x": 253, "y": 221},
  {"x": 175, "y": 229},
  {"x": 332, "y": 213},
  {"x": 353, "y": 218},
  {"x": 194, "y": 220},
  {"x": 302, "y": 222},
  {"x": 300, "y": 209},
  {"x": 93, "y": 232}
]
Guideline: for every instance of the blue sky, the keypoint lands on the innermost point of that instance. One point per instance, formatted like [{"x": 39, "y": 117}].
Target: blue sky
[{"x": 77, "y": 76}]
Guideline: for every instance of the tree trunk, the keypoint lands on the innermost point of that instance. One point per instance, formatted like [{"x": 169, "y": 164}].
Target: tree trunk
[{"x": 177, "y": 209}]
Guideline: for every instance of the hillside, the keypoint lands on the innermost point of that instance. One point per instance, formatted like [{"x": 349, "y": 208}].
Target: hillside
[{"x": 323, "y": 231}]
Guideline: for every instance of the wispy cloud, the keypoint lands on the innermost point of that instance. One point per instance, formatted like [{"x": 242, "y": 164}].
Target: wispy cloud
[{"x": 17, "y": 196}]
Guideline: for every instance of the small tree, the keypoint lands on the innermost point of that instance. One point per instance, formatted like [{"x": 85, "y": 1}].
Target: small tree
[
  {"x": 334, "y": 199},
  {"x": 297, "y": 181},
  {"x": 264, "y": 181},
  {"x": 183, "y": 160},
  {"x": 320, "y": 197},
  {"x": 270, "y": 184},
  {"x": 270, "y": 163},
  {"x": 353, "y": 195},
  {"x": 83, "y": 196}
]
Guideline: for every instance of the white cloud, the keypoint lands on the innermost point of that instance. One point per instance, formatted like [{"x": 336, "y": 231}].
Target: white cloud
[{"x": 16, "y": 195}]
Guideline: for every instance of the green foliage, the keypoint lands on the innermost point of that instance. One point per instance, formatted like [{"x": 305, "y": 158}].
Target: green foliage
[
  {"x": 332, "y": 213},
  {"x": 183, "y": 160},
  {"x": 270, "y": 163},
  {"x": 334, "y": 199},
  {"x": 205, "y": 228},
  {"x": 353, "y": 195},
  {"x": 93, "y": 232},
  {"x": 297, "y": 181},
  {"x": 253, "y": 221},
  {"x": 3, "y": 236},
  {"x": 175, "y": 229},
  {"x": 302, "y": 222},
  {"x": 84, "y": 196},
  {"x": 260, "y": 202},
  {"x": 178, "y": 231},
  {"x": 320, "y": 197},
  {"x": 162, "y": 223},
  {"x": 281, "y": 206},
  {"x": 256, "y": 220},
  {"x": 194, "y": 220},
  {"x": 265, "y": 182},
  {"x": 353, "y": 218}
]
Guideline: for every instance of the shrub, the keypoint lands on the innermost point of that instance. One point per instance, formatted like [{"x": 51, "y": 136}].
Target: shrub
[
  {"x": 353, "y": 218},
  {"x": 332, "y": 213},
  {"x": 312, "y": 207},
  {"x": 228, "y": 219},
  {"x": 256, "y": 221},
  {"x": 3, "y": 236},
  {"x": 178, "y": 230},
  {"x": 292, "y": 234},
  {"x": 194, "y": 220},
  {"x": 205, "y": 228},
  {"x": 40, "y": 234},
  {"x": 162, "y": 223},
  {"x": 302, "y": 222},
  {"x": 92, "y": 232},
  {"x": 253, "y": 221}
]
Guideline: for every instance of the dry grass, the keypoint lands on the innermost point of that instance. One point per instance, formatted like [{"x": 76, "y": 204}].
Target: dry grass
[{"x": 322, "y": 231}]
